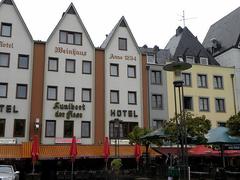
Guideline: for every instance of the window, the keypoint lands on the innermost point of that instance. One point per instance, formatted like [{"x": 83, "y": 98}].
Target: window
[
  {"x": 4, "y": 59},
  {"x": 6, "y": 29},
  {"x": 122, "y": 131},
  {"x": 69, "y": 37},
  {"x": 3, "y": 90},
  {"x": 190, "y": 59},
  {"x": 86, "y": 67},
  {"x": 132, "y": 97},
  {"x": 19, "y": 128},
  {"x": 202, "y": 80},
  {"x": 21, "y": 91},
  {"x": 86, "y": 95},
  {"x": 52, "y": 64},
  {"x": 203, "y": 104},
  {"x": 52, "y": 93},
  {"x": 203, "y": 61},
  {"x": 50, "y": 128},
  {"x": 23, "y": 61},
  {"x": 70, "y": 66},
  {"x": 187, "y": 81},
  {"x": 156, "y": 77},
  {"x": 157, "y": 101},
  {"x": 85, "y": 129},
  {"x": 158, "y": 123},
  {"x": 114, "y": 97},
  {"x": 220, "y": 105},
  {"x": 218, "y": 82},
  {"x": 221, "y": 124},
  {"x": 69, "y": 93},
  {"x": 122, "y": 44},
  {"x": 131, "y": 71},
  {"x": 188, "y": 103},
  {"x": 68, "y": 129},
  {"x": 2, "y": 127},
  {"x": 151, "y": 59},
  {"x": 114, "y": 70}
]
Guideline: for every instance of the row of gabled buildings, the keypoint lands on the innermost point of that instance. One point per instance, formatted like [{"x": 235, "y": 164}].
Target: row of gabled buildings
[{"x": 67, "y": 87}]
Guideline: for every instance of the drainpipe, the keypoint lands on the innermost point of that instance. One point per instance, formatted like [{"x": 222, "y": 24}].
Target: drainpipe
[
  {"x": 234, "y": 97},
  {"x": 148, "y": 75}
]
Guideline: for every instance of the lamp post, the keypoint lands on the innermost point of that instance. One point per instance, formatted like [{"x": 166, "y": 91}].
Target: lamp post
[
  {"x": 116, "y": 131},
  {"x": 177, "y": 67}
]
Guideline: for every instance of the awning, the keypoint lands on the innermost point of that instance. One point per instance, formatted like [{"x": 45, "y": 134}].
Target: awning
[{"x": 19, "y": 151}]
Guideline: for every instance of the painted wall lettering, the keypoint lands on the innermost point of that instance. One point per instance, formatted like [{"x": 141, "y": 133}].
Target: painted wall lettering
[
  {"x": 6, "y": 44},
  {"x": 68, "y": 111},
  {"x": 127, "y": 58},
  {"x": 73, "y": 52}
]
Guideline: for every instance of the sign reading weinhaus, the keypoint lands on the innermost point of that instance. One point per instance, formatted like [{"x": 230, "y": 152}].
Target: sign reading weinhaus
[{"x": 69, "y": 110}]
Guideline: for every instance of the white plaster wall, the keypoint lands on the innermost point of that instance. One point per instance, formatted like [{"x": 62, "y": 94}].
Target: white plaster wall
[
  {"x": 62, "y": 80},
  {"x": 123, "y": 83},
  {"x": 22, "y": 44}
]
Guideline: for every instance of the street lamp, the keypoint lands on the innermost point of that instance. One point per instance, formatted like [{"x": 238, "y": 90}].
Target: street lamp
[
  {"x": 177, "y": 67},
  {"x": 116, "y": 131}
]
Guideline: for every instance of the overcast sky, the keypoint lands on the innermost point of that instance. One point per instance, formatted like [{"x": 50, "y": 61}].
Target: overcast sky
[{"x": 152, "y": 22}]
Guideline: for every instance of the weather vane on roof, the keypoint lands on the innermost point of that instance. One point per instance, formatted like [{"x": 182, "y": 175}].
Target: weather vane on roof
[{"x": 183, "y": 18}]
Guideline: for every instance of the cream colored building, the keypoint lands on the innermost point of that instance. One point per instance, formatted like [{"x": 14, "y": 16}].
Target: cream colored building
[{"x": 208, "y": 90}]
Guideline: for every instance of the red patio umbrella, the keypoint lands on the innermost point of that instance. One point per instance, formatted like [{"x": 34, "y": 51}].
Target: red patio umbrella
[
  {"x": 73, "y": 152},
  {"x": 35, "y": 151},
  {"x": 137, "y": 153},
  {"x": 200, "y": 150},
  {"x": 106, "y": 150}
]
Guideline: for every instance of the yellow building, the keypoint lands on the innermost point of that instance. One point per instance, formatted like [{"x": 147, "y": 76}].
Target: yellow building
[{"x": 208, "y": 90}]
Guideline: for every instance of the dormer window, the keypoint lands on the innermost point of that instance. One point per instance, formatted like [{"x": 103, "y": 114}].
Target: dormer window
[
  {"x": 6, "y": 29},
  {"x": 122, "y": 44},
  {"x": 150, "y": 59},
  {"x": 203, "y": 60},
  {"x": 190, "y": 59},
  {"x": 69, "y": 37}
]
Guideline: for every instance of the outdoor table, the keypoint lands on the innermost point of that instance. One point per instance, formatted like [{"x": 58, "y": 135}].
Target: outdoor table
[{"x": 200, "y": 173}]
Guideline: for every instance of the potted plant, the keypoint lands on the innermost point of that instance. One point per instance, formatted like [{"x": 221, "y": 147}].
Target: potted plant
[{"x": 116, "y": 164}]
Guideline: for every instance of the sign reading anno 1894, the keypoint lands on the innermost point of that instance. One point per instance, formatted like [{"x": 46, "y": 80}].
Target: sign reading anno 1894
[{"x": 69, "y": 110}]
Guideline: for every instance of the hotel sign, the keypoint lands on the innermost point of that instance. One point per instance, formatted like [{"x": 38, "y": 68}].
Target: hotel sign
[
  {"x": 69, "y": 110},
  {"x": 8, "y": 108},
  {"x": 6, "y": 44},
  {"x": 123, "y": 113}
]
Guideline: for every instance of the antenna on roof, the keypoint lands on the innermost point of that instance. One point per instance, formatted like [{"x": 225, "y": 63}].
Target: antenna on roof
[{"x": 183, "y": 18}]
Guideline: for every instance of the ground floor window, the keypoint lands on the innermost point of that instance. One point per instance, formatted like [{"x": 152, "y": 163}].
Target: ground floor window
[
  {"x": 50, "y": 130},
  {"x": 85, "y": 130},
  {"x": 19, "y": 128},
  {"x": 2, "y": 127},
  {"x": 122, "y": 130},
  {"x": 68, "y": 129}
]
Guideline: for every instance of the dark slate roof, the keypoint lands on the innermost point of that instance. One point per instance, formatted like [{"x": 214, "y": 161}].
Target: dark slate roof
[
  {"x": 225, "y": 31},
  {"x": 163, "y": 55},
  {"x": 184, "y": 43}
]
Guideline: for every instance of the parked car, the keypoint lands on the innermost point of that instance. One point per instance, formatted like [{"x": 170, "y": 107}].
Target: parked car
[{"x": 7, "y": 173}]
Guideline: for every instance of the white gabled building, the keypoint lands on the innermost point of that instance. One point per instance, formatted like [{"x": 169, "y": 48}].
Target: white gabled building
[
  {"x": 16, "y": 60},
  {"x": 69, "y": 82},
  {"x": 123, "y": 81}
]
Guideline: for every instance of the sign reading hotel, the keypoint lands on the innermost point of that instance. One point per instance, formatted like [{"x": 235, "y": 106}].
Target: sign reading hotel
[
  {"x": 68, "y": 51},
  {"x": 123, "y": 113},
  {"x": 127, "y": 58},
  {"x": 69, "y": 110},
  {"x": 8, "y": 108},
  {"x": 6, "y": 44}
]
